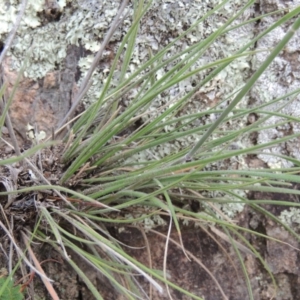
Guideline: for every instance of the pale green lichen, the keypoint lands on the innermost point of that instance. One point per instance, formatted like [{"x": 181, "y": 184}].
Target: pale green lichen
[
  {"x": 148, "y": 222},
  {"x": 82, "y": 23},
  {"x": 281, "y": 77},
  {"x": 230, "y": 210},
  {"x": 9, "y": 12},
  {"x": 291, "y": 216},
  {"x": 154, "y": 221}
]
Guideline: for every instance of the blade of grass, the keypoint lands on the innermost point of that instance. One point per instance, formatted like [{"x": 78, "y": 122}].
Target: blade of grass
[{"x": 247, "y": 86}]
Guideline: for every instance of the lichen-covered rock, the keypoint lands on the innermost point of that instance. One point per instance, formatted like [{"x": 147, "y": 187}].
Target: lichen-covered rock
[
  {"x": 49, "y": 29},
  {"x": 281, "y": 78},
  {"x": 286, "y": 251},
  {"x": 41, "y": 103}
]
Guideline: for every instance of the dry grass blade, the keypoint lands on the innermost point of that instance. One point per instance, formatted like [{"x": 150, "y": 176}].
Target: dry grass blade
[
  {"x": 85, "y": 84},
  {"x": 112, "y": 251},
  {"x": 44, "y": 278},
  {"x": 196, "y": 260},
  {"x": 225, "y": 238},
  {"x": 166, "y": 254},
  {"x": 6, "y": 185},
  {"x": 149, "y": 256},
  {"x": 40, "y": 174},
  {"x": 20, "y": 252}
]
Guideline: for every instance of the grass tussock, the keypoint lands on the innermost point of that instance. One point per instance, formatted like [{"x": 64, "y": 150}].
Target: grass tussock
[{"x": 89, "y": 175}]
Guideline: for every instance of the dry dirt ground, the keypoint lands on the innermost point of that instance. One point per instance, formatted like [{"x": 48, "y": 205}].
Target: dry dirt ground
[{"x": 204, "y": 249}]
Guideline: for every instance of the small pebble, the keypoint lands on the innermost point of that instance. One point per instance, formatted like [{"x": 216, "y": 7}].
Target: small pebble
[{"x": 4, "y": 130}]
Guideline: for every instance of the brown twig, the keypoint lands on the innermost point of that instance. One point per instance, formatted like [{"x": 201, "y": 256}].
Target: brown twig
[
  {"x": 85, "y": 84},
  {"x": 46, "y": 282},
  {"x": 31, "y": 275}
]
